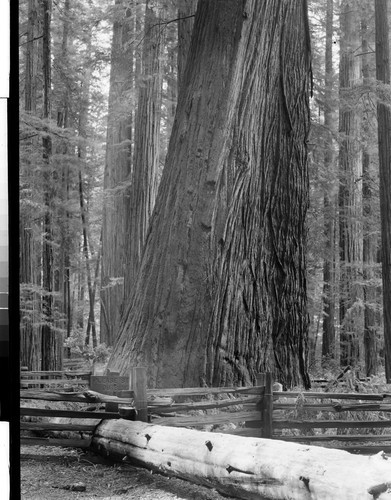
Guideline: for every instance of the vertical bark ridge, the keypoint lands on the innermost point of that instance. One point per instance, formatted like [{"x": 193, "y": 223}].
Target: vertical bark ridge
[{"x": 259, "y": 319}]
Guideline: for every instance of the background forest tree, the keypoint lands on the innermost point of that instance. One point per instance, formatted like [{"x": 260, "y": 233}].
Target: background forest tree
[{"x": 116, "y": 98}]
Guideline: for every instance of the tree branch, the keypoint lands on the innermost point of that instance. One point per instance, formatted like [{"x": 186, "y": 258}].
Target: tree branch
[
  {"x": 28, "y": 41},
  {"x": 172, "y": 21}
]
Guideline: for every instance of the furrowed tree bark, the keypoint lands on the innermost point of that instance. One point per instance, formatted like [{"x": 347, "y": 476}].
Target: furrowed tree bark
[
  {"x": 259, "y": 320},
  {"x": 169, "y": 87},
  {"x": 186, "y": 14},
  {"x": 116, "y": 175},
  {"x": 164, "y": 325},
  {"x": 246, "y": 468},
  {"x": 350, "y": 192},
  {"x": 384, "y": 140}
]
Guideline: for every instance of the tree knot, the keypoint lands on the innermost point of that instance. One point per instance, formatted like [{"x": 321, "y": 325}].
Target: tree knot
[{"x": 306, "y": 481}]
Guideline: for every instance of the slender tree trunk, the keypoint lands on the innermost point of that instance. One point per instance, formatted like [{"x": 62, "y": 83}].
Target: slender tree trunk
[
  {"x": 83, "y": 121},
  {"x": 350, "y": 192},
  {"x": 94, "y": 287},
  {"x": 146, "y": 147},
  {"x": 86, "y": 253},
  {"x": 32, "y": 57},
  {"x": 80, "y": 297},
  {"x": 91, "y": 325},
  {"x": 259, "y": 320},
  {"x": 64, "y": 258},
  {"x": 51, "y": 341},
  {"x": 370, "y": 243},
  {"x": 384, "y": 139},
  {"x": 328, "y": 343},
  {"x": 30, "y": 329},
  {"x": 117, "y": 173}
]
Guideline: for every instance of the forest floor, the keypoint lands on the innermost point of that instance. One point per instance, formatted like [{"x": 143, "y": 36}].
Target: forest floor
[
  {"x": 53, "y": 473},
  {"x": 49, "y": 473}
]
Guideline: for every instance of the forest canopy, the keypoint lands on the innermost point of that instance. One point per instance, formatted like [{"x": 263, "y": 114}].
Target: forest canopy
[{"x": 205, "y": 188}]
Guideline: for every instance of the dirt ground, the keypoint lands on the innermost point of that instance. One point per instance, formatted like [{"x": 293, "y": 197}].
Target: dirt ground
[{"x": 49, "y": 473}]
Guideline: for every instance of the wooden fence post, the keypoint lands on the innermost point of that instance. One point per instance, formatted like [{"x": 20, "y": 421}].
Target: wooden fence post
[
  {"x": 267, "y": 414},
  {"x": 23, "y": 385},
  {"x": 260, "y": 381},
  {"x": 265, "y": 380},
  {"x": 138, "y": 384}
]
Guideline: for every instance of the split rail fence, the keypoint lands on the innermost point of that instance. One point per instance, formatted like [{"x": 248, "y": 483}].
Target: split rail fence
[{"x": 354, "y": 421}]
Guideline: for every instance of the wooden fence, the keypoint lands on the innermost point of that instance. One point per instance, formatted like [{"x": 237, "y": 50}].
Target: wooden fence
[
  {"x": 54, "y": 379},
  {"x": 244, "y": 411},
  {"x": 70, "y": 387},
  {"x": 339, "y": 420}
]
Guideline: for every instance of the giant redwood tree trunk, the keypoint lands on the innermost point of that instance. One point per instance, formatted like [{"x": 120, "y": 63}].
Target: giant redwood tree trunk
[
  {"x": 165, "y": 325},
  {"x": 259, "y": 319},
  {"x": 117, "y": 171},
  {"x": 384, "y": 139}
]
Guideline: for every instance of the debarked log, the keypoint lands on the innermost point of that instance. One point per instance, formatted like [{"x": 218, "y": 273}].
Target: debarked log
[{"x": 247, "y": 468}]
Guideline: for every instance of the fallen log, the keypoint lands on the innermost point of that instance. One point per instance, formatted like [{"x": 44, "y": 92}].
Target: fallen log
[{"x": 248, "y": 468}]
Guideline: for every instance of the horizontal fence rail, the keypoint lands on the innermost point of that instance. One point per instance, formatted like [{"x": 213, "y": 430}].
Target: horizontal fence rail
[
  {"x": 70, "y": 387},
  {"x": 320, "y": 418}
]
